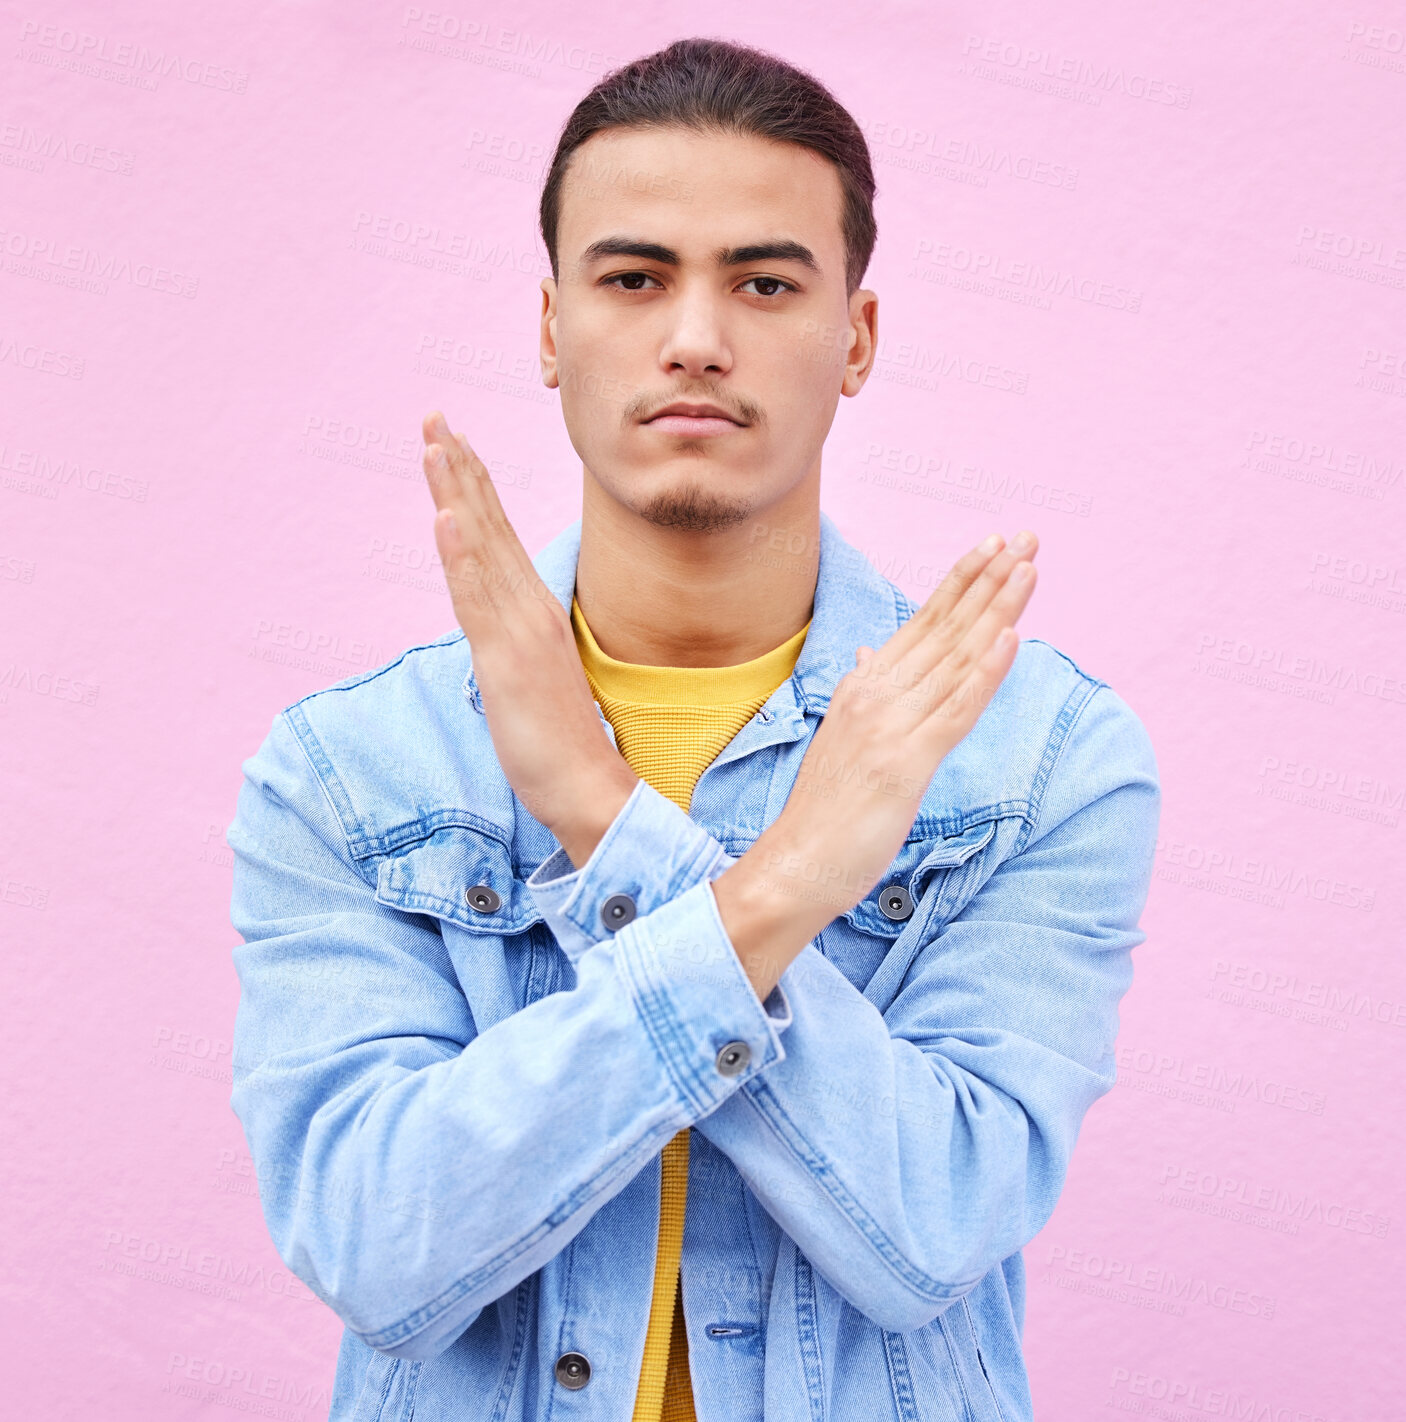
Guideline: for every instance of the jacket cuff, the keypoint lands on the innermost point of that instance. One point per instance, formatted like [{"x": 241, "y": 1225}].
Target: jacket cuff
[
  {"x": 697, "y": 1001},
  {"x": 650, "y": 854}
]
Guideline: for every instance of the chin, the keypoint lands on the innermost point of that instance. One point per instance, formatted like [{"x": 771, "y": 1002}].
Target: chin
[{"x": 693, "y": 509}]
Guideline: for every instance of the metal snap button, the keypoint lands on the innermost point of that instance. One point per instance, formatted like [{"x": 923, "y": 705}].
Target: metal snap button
[
  {"x": 617, "y": 911},
  {"x": 733, "y": 1058},
  {"x": 573, "y": 1370},
  {"x": 895, "y": 902},
  {"x": 483, "y": 899}
]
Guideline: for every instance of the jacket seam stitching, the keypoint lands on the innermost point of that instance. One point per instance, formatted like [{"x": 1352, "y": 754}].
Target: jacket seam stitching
[
  {"x": 942, "y": 1328},
  {"x": 395, "y": 1367},
  {"x": 412, "y": 1384},
  {"x": 808, "y": 1334},
  {"x": 561, "y": 1348},
  {"x": 929, "y": 1289},
  {"x": 424, "y": 1317},
  {"x": 752, "y": 1245},
  {"x": 900, "y": 1376},
  {"x": 306, "y": 740},
  {"x": 362, "y": 678},
  {"x": 665, "y": 1032},
  {"x": 985, "y": 1376},
  {"x": 514, "y": 1361},
  {"x": 1079, "y": 697}
]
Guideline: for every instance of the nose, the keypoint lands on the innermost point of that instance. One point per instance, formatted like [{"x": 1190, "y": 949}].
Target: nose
[{"x": 695, "y": 343}]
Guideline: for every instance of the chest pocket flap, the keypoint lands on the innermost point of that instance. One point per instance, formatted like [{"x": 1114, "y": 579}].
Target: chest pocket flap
[
  {"x": 942, "y": 856},
  {"x": 461, "y": 875},
  {"x": 949, "y": 852},
  {"x": 914, "y": 867}
]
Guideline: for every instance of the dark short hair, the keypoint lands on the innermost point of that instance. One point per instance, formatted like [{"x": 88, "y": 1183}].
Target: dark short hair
[{"x": 717, "y": 86}]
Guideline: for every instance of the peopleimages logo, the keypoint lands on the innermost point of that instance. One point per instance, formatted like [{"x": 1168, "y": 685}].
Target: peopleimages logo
[
  {"x": 1175, "y": 1398},
  {"x": 906, "y": 146},
  {"x": 988, "y": 57},
  {"x": 1315, "y": 993},
  {"x": 1152, "y": 1279},
  {"x": 87, "y": 52},
  {"x": 1171, "y": 1071},
  {"x": 517, "y": 44},
  {"x": 1301, "y": 1207},
  {"x": 940, "y": 258},
  {"x": 43, "y": 359},
  {"x": 87, "y": 268},
  {"x": 234, "y": 1384}
]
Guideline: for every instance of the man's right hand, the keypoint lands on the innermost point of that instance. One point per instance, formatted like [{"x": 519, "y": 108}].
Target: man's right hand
[
  {"x": 890, "y": 723},
  {"x": 541, "y": 715}
]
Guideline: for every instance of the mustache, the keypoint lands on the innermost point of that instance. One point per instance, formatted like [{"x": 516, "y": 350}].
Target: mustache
[{"x": 642, "y": 405}]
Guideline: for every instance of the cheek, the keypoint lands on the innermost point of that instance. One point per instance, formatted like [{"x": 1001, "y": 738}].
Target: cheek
[
  {"x": 594, "y": 380},
  {"x": 807, "y": 375},
  {"x": 817, "y": 346},
  {"x": 592, "y": 397},
  {"x": 802, "y": 405}
]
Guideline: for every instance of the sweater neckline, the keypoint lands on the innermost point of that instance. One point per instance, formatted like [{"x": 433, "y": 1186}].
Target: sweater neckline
[{"x": 635, "y": 682}]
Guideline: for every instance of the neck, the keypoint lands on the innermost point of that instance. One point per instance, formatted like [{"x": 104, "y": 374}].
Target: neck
[{"x": 670, "y": 597}]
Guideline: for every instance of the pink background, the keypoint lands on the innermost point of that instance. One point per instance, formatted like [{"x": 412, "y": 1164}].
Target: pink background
[{"x": 211, "y": 503}]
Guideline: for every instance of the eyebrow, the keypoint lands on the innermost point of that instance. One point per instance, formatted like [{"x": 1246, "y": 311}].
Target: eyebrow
[{"x": 784, "y": 251}]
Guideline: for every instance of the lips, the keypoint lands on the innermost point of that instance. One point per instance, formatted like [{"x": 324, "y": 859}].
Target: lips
[
  {"x": 681, "y": 409},
  {"x": 693, "y": 420},
  {"x": 692, "y": 425}
]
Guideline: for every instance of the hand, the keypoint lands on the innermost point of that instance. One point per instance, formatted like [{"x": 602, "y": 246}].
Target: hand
[
  {"x": 543, "y": 720},
  {"x": 891, "y": 722}
]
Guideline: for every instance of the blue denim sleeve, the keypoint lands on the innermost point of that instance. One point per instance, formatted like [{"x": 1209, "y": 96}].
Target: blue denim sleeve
[
  {"x": 908, "y": 1152},
  {"x": 412, "y": 1169},
  {"x": 653, "y": 852}
]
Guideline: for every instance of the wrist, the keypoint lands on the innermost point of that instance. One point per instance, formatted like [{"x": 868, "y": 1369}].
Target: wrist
[
  {"x": 599, "y": 798},
  {"x": 767, "y": 926}
]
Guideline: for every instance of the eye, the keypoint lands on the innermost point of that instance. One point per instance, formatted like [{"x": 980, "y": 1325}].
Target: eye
[
  {"x": 627, "y": 277},
  {"x": 634, "y": 281},
  {"x": 773, "y": 281}
]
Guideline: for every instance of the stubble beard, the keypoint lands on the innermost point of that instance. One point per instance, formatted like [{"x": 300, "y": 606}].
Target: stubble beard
[{"x": 693, "y": 509}]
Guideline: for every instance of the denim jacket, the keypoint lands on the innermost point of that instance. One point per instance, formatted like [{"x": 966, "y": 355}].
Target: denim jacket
[{"x": 456, "y": 1076}]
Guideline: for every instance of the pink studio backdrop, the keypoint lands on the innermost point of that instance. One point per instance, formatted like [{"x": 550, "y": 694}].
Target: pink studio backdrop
[{"x": 1141, "y": 288}]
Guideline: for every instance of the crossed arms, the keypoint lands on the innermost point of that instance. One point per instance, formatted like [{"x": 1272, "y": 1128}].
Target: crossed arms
[{"x": 413, "y": 1168}]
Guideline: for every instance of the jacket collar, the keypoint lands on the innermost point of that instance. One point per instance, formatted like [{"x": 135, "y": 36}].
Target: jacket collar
[{"x": 854, "y": 605}]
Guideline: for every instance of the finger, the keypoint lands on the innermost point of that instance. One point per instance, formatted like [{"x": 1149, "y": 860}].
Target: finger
[
  {"x": 946, "y": 678},
  {"x": 479, "y": 539},
  {"x": 952, "y": 715},
  {"x": 963, "y": 615},
  {"x": 459, "y": 471},
  {"x": 466, "y": 591},
  {"x": 463, "y": 472},
  {"x": 990, "y": 580},
  {"x": 435, "y": 429},
  {"x": 481, "y": 595},
  {"x": 1003, "y": 613},
  {"x": 963, "y": 709},
  {"x": 940, "y": 681},
  {"x": 489, "y": 549},
  {"x": 484, "y": 559},
  {"x": 961, "y": 596},
  {"x": 962, "y": 574}
]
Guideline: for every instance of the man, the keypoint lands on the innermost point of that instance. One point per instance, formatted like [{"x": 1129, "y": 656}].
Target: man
[{"x": 677, "y": 991}]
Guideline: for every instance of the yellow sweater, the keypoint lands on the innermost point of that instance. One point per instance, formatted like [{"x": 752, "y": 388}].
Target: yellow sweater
[{"x": 670, "y": 724}]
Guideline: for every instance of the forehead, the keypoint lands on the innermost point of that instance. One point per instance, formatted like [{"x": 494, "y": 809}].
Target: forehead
[{"x": 696, "y": 192}]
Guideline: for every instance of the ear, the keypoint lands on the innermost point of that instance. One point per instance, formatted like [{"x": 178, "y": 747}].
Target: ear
[
  {"x": 864, "y": 324},
  {"x": 548, "y": 353}
]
